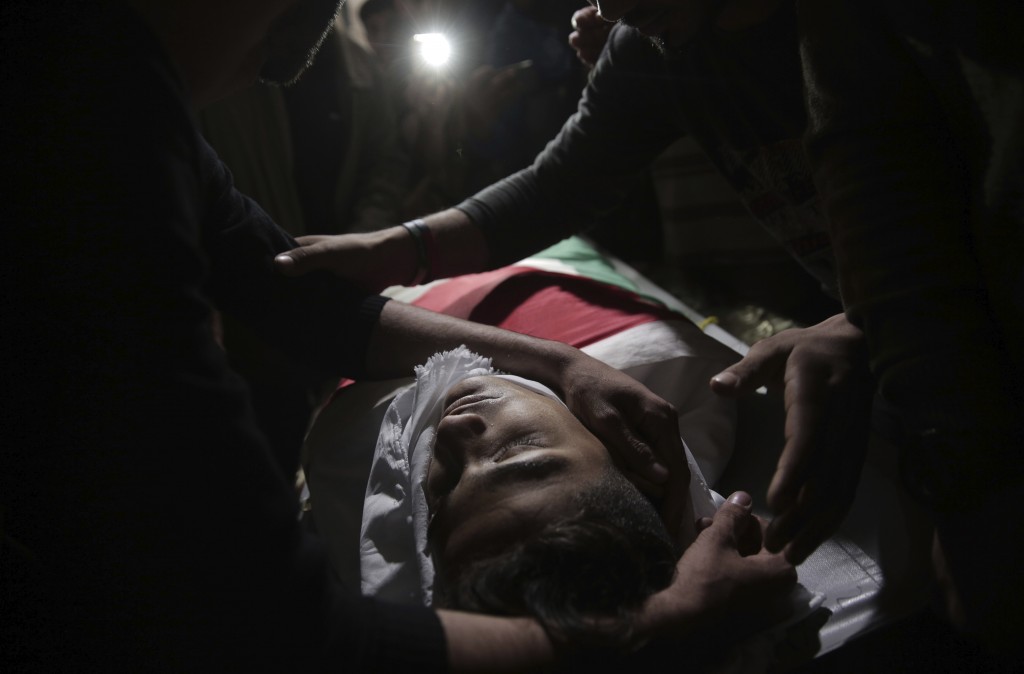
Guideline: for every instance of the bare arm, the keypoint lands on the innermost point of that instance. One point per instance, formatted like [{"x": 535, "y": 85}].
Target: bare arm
[
  {"x": 388, "y": 257},
  {"x": 479, "y": 643}
]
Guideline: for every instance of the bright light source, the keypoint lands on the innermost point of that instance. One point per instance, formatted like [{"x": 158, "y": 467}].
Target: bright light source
[{"x": 434, "y": 48}]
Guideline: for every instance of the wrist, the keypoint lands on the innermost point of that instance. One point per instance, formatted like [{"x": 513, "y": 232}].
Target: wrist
[
  {"x": 556, "y": 366},
  {"x": 662, "y": 616},
  {"x": 461, "y": 245},
  {"x": 424, "y": 251},
  {"x": 394, "y": 253}
]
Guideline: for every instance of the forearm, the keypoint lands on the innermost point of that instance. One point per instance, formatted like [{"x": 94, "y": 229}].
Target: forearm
[
  {"x": 621, "y": 125},
  {"x": 460, "y": 246},
  {"x": 478, "y": 643},
  {"x": 529, "y": 210},
  {"x": 406, "y": 336},
  {"x": 663, "y": 617},
  {"x": 390, "y": 257}
]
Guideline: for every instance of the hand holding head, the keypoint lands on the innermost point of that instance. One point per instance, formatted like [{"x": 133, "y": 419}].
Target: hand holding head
[
  {"x": 723, "y": 575},
  {"x": 640, "y": 430}
]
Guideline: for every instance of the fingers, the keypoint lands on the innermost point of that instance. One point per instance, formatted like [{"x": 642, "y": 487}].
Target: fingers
[
  {"x": 589, "y": 34},
  {"x": 815, "y": 515},
  {"x": 731, "y": 520},
  {"x": 750, "y": 541},
  {"x": 782, "y": 529},
  {"x": 643, "y": 431},
  {"x": 799, "y": 531},
  {"x": 812, "y": 534},
  {"x": 805, "y": 516},
  {"x": 630, "y": 451},
  {"x": 587, "y": 18},
  {"x": 764, "y": 364},
  {"x": 640, "y": 430},
  {"x": 647, "y": 446},
  {"x": 735, "y": 528},
  {"x": 715, "y": 581},
  {"x": 669, "y": 451},
  {"x": 807, "y": 410},
  {"x": 587, "y": 53},
  {"x": 307, "y": 257},
  {"x": 776, "y": 574},
  {"x": 820, "y": 464},
  {"x": 652, "y": 477}
]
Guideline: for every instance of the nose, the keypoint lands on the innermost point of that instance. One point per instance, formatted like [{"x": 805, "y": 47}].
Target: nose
[{"x": 459, "y": 437}]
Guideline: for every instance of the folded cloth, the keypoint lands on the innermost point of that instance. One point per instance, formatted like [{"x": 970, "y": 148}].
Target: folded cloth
[{"x": 395, "y": 561}]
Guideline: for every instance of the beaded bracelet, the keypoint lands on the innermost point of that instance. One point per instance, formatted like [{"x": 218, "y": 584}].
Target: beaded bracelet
[{"x": 424, "y": 239}]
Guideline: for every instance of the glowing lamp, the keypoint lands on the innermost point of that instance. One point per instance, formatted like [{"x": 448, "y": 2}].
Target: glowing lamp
[{"x": 435, "y": 50}]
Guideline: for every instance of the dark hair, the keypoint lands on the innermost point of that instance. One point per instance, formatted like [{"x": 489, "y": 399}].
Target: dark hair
[{"x": 583, "y": 576}]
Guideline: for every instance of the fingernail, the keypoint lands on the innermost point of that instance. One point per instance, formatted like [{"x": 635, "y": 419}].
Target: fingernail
[
  {"x": 284, "y": 261},
  {"x": 740, "y": 498},
  {"x": 726, "y": 379}
]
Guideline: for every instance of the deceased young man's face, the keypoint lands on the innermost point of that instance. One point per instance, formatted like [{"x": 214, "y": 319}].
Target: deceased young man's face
[{"x": 507, "y": 460}]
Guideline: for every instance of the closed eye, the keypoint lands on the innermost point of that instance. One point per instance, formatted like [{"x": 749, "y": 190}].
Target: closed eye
[
  {"x": 509, "y": 449},
  {"x": 529, "y": 469}
]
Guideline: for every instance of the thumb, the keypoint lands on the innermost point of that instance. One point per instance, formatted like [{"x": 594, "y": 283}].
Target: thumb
[
  {"x": 309, "y": 255},
  {"x": 731, "y": 520}
]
